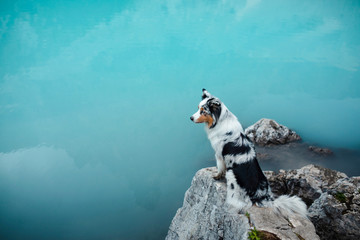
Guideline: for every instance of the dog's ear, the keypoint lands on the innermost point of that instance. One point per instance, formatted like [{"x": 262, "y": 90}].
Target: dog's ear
[
  {"x": 214, "y": 103},
  {"x": 215, "y": 110},
  {"x": 205, "y": 94}
]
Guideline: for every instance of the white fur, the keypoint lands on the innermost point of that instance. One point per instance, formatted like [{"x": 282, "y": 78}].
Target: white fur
[
  {"x": 197, "y": 114},
  {"x": 237, "y": 196},
  {"x": 241, "y": 159},
  {"x": 287, "y": 206}
]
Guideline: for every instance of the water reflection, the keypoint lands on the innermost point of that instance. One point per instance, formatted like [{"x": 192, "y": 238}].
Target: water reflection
[{"x": 45, "y": 194}]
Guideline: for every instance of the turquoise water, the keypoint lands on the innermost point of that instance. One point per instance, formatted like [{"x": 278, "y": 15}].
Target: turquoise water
[{"x": 95, "y": 100}]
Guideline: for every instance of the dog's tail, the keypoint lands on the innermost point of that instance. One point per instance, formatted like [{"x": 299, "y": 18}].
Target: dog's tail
[{"x": 287, "y": 206}]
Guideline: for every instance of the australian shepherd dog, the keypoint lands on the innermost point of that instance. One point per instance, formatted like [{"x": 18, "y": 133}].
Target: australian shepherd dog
[{"x": 236, "y": 160}]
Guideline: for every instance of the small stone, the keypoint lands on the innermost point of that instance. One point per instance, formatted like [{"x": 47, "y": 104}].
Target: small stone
[{"x": 322, "y": 151}]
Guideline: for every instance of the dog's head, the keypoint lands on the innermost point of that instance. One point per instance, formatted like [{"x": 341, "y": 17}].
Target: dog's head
[{"x": 209, "y": 110}]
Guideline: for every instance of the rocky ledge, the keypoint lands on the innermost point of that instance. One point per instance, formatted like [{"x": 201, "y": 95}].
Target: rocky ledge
[
  {"x": 269, "y": 132},
  {"x": 332, "y": 197},
  {"x": 204, "y": 215}
]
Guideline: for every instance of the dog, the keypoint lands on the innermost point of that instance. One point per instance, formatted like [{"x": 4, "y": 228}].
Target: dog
[{"x": 236, "y": 160}]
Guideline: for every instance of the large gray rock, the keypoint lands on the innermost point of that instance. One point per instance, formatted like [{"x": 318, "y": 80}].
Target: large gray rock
[
  {"x": 268, "y": 132},
  {"x": 204, "y": 215},
  {"x": 332, "y": 197},
  {"x": 307, "y": 182}
]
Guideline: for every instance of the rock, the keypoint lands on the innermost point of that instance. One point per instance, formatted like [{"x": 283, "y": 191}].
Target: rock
[
  {"x": 322, "y": 151},
  {"x": 308, "y": 182},
  {"x": 336, "y": 213},
  {"x": 266, "y": 220},
  {"x": 332, "y": 197},
  {"x": 331, "y": 222},
  {"x": 268, "y": 132},
  {"x": 204, "y": 215}
]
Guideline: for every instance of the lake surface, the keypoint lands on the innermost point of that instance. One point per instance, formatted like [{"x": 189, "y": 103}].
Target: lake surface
[{"x": 95, "y": 100}]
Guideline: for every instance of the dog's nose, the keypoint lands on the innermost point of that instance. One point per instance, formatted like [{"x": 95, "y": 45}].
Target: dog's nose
[{"x": 192, "y": 118}]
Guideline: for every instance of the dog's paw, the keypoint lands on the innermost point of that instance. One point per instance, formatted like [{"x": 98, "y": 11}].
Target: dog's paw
[{"x": 218, "y": 176}]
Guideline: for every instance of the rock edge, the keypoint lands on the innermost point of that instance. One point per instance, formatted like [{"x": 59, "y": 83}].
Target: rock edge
[
  {"x": 204, "y": 215},
  {"x": 268, "y": 132}
]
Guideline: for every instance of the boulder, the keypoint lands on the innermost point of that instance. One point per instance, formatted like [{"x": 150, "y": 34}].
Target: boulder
[
  {"x": 332, "y": 197},
  {"x": 307, "y": 182},
  {"x": 268, "y": 132},
  {"x": 204, "y": 215}
]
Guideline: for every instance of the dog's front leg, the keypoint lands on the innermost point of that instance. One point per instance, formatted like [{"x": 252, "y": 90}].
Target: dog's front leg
[{"x": 220, "y": 163}]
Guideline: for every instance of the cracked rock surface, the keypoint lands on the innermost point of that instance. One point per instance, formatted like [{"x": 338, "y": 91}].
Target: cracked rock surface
[
  {"x": 204, "y": 215},
  {"x": 333, "y": 198},
  {"x": 268, "y": 132}
]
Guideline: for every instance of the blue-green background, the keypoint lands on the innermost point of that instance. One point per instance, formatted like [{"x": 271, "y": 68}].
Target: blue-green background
[{"x": 95, "y": 100}]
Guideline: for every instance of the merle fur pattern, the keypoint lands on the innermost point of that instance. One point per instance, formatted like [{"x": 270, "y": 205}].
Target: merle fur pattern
[{"x": 236, "y": 159}]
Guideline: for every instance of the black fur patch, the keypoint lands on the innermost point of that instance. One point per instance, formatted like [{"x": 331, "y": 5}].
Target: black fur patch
[
  {"x": 215, "y": 110},
  {"x": 250, "y": 177},
  {"x": 232, "y": 148},
  {"x": 232, "y": 186},
  {"x": 245, "y": 137},
  {"x": 229, "y": 133},
  {"x": 204, "y": 95}
]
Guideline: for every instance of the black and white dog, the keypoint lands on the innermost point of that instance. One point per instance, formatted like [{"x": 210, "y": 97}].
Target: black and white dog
[{"x": 236, "y": 159}]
